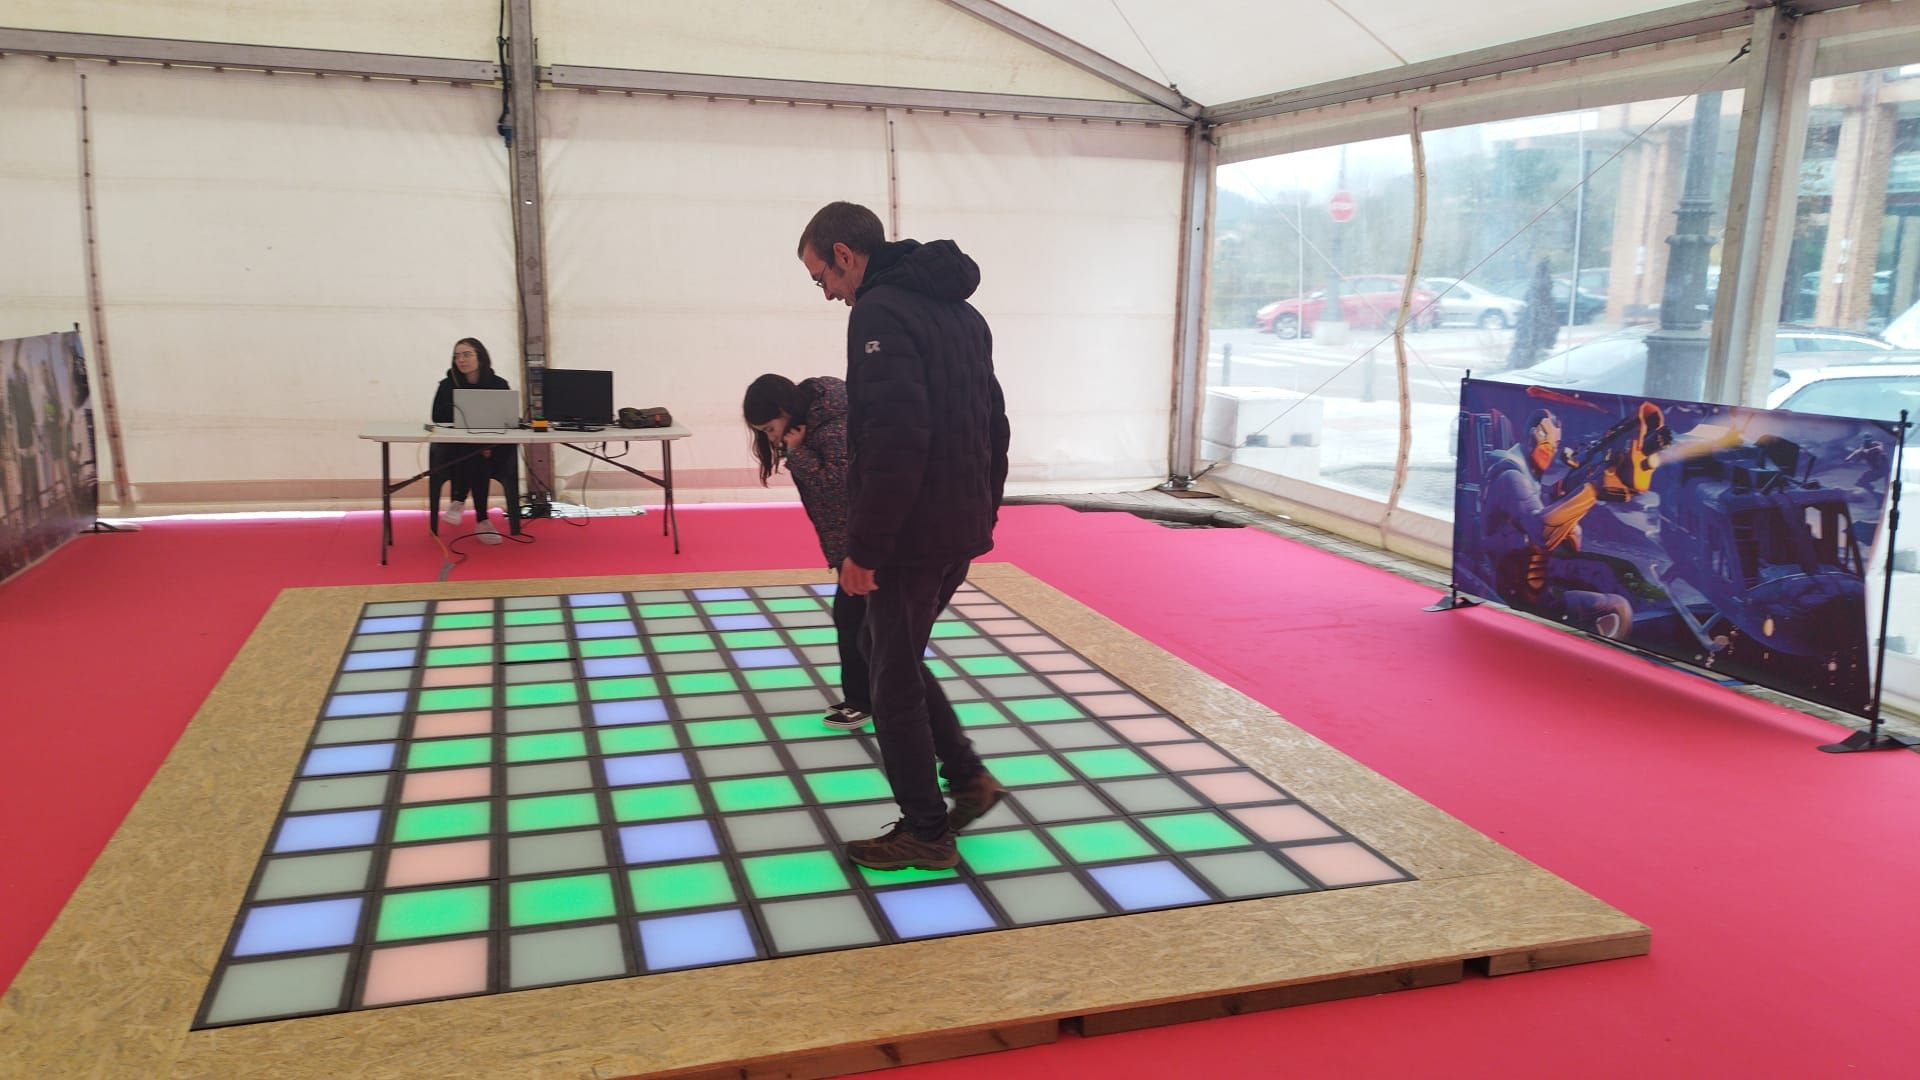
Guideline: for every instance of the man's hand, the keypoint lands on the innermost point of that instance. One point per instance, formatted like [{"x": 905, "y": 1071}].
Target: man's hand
[
  {"x": 795, "y": 435},
  {"x": 856, "y": 580}
]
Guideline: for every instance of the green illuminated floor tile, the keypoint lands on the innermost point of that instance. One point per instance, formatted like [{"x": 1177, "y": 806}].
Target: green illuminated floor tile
[
  {"x": 725, "y": 732},
  {"x": 547, "y": 746},
  {"x": 551, "y": 900},
  {"x": 802, "y": 872},
  {"x": 1023, "y": 769},
  {"x": 442, "y": 822},
  {"x": 949, "y": 628},
  {"x": 1004, "y": 852},
  {"x": 794, "y": 603},
  {"x": 910, "y": 876},
  {"x": 830, "y": 674},
  {"x": 636, "y": 737},
  {"x": 991, "y": 665},
  {"x": 849, "y": 785},
  {"x": 637, "y": 686},
  {"x": 464, "y": 697},
  {"x": 618, "y": 646},
  {"x": 439, "y": 752},
  {"x": 609, "y": 613},
  {"x": 814, "y": 635},
  {"x": 433, "y": 912},
  {"x": 709, "y": 682},
  {"x": 754, "y": 793},
  {"x": 651, "y": 803},
  {"x": 750, "y": 639},
  {"x": 1201, "y": 830},
  {"x": 784, "y": 678},
  {"x": 941, "y": 669},
  {"x": 552, "y": 812},
  {"x": 469, "y": 654},
  {"x": 665, "y": 611},
  {"x": 549, "y": 693},
  {"x": 463, "y": 621},
  {"x": 730, "y": 607},
  {"x": 533, "y": 618},
  {"x": 537, "y": 650},
  {"x": 979, "y": 714},
  {"x": 1041, "y": 710},
  {"x": 805, "y": 726},
  {"x": 665, "y": 888},
  {"x": 1099, "y": 841},
  {"x": 674, "y": 643},
  {"x": 1109, "y": 763}
]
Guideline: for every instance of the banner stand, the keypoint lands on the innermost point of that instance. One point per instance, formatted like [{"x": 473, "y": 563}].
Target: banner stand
[
  {"x": 1873, "y": 738},
  {"x": 1453, "y": 601}
]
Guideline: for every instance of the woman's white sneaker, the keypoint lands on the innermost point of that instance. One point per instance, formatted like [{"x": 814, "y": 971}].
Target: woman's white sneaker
[{"x": 486, "y": 532}]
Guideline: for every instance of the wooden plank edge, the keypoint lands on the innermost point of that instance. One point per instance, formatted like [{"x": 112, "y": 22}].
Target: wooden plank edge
[
  {"x": 910, "y": 1050},
  {"x": 1215, "y": 1006},
  {"x": 1638, "y": 943}
]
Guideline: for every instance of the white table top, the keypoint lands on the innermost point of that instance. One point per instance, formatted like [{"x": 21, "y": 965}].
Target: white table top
[{"x": 394, "y": 432}]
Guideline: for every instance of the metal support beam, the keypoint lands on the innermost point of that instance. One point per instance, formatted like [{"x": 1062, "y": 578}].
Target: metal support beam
[
  {"x": 522, "y": 131},
  {"x": 1742, "y": 305},
  {"x": 1196, "y": 227},
  {"x": 96, "y": 304},
  {"x": 877, "y": 97},
  {"x": 54, "y": 43},
  {"x": 1078, "y": 55},
  {"x": 1666, "y": 24}
]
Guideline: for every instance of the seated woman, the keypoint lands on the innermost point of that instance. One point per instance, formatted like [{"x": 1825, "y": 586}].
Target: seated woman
[{"x": 466, "y": 471}]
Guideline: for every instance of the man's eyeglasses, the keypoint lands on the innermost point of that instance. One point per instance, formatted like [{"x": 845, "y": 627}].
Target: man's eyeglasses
[{"x": 820, "y": 279}]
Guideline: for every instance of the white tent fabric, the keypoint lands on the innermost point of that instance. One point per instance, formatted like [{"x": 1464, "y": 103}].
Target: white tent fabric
[
  {"x": 43, "y": 283},
  {"x": 446, "y": 28}
]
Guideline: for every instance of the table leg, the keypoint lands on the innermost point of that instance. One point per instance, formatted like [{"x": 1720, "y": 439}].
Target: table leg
[
  {"x": 673, "y": 523},
  {"x": 386, "y": 500}
]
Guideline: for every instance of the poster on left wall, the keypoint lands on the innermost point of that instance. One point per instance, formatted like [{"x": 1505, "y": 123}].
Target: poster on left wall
[{"x": 49, "y": 485}]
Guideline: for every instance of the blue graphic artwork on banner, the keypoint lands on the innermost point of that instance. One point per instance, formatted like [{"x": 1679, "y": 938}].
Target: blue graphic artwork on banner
[{"x": 1730, "y": 538}]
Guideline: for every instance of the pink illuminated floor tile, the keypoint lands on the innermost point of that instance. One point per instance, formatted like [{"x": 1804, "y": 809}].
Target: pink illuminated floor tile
[
  {"x": 481, "y": 604},
  {"x": 984, "y": 611},
  {"x": 440, "y": 639},
  {"x": 447, "y": 784},
  {"x": 1114, "y": 704},
  {"x": 1189, "y": 756},
  {"x": 1149, "y": 729},
  {"x": 1029, "y": 643},
  {"x": 1088, "y": 682},
  {"x": 421, "y": 972},
  {"x": 428, "y": 863},
  {"x": 1235, "y": 787},
  {"x": 440, "y": 725},
  {"x": 456, "y": 676},
  {"x": 1058, "y": 661},
  {"x": 1343, "y": 864},
  {"x": 1280, "y": 824},
  {"x": 1005, "y": 627}
]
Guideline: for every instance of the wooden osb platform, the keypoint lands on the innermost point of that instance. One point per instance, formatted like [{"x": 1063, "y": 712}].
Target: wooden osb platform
[{"x": 112, "y": 989}]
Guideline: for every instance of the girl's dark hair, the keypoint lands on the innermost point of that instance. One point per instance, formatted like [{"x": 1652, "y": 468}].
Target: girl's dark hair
[
  {"x": 767, "y": 397},
  {"x": 479, "y": 350}
]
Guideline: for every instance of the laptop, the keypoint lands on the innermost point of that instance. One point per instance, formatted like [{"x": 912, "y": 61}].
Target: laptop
[{"x": 486, "y": 410}]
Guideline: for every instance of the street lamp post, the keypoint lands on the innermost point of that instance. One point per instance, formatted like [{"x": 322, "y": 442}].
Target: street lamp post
[{"x": 1677, "y": 351}]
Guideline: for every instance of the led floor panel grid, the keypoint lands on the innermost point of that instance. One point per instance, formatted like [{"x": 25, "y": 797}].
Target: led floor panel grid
[{"x": 516, "y": 792}]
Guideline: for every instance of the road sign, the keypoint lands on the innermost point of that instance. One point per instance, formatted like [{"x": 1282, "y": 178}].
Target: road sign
[{"x": 1340, "y": 207}]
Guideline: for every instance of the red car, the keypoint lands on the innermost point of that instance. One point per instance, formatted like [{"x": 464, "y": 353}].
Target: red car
[{"x": 1369, "y": 302}]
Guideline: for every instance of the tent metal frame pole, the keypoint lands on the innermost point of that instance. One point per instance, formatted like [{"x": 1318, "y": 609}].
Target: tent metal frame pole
[
  {"x": 214, "y": 54},
  {"x": 1065, "y": 48},
  {"x": 1190, "y": 369},
  {"x": 96, "y": 304},
  {"x": 529, "y": 247}
]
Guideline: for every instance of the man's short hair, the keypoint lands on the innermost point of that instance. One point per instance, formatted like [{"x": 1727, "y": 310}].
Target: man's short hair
[{"x": 842, "y": 223}]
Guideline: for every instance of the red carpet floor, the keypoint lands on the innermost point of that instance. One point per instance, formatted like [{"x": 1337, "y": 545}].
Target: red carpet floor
[{"x": 1780, "y": 883}]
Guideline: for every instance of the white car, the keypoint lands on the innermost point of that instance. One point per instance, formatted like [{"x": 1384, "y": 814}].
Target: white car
[
  {"x": 1471, "y": 305},
  {"x": 1876, "y": 391}
]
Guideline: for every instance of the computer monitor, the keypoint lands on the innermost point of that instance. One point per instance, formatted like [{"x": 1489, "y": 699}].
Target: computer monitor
[{"x": 574, "y": 396}]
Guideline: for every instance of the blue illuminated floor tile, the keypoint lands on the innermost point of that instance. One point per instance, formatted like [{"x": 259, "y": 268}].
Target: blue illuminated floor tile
[
  {"x": 317, "y": 924},
  {"x": 667, "y": 841},
  {"x": 608, "y": 666},
  {"x": 680, "y": 941},
  {"x": 720, "y": 594},
  {"x": 824, "y": 590},
  {"x": 599, "y": 599},
  {"x": 641, "y": 711},
  {"x": 339, "y": 760},
  {"x": 1139, "y": 886},
  {"x": 352, "y": 828},
  {"x": 741, "y": 622},
  {"x": 374, "y": 661},
  {"x": 645, "y": 769},
  {"x": 391, "y": 701},
  {"x": 762, "y": 658},
  {"x": 389, "y": 625},
  {"x": 932, "y": 910},
  {"x": 604, "y": 629}
]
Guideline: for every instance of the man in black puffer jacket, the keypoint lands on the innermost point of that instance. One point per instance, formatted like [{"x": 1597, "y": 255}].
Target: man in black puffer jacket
[{"x": 928, "y": 434}]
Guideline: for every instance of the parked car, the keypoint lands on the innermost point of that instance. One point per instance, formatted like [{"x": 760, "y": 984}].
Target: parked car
[
  {"x": 1367, "y": 301},
  {"x": 1586, "y": 307},
  {"x": 1617, "y": 363},
  {"x": 1470, "y": 305},
  {"x": 1872, "y": 391}
]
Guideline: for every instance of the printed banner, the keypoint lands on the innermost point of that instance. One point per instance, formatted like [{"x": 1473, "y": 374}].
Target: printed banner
[
  {"x": 1730, "y": 538},
  {"x": 49, "y": 490}
]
